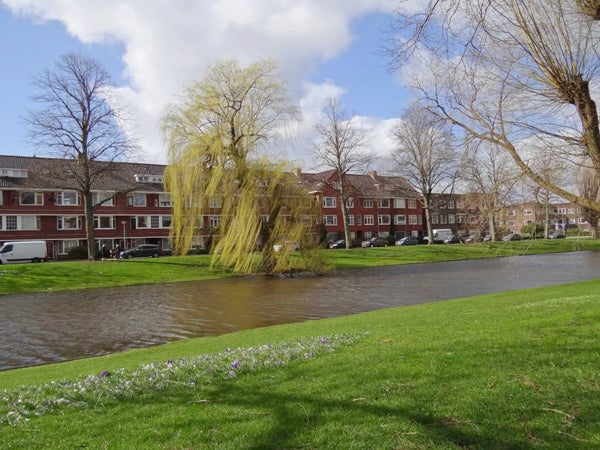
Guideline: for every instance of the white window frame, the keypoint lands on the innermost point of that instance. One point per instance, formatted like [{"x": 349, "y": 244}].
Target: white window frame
[
  {"x": 63, "y": 198},
  {"x": 413, "y": 219},
  {"x": 38, "y": 198},
  {"x": 412, "y": 204},
  {"x": 329, "y": 202},
  {"x": 367, "y": 202},
  {"x": 62, "y": 220},
  {"x": 399, "y": 203},
  {"x": 384, "y": 219},
  {"x": 99, "y": 219},
  {"x": 369, "y": 219},
  {"x": 330, "y": 219},
  {"x": 400, "y": 219},
  {"x": 349, "y": 203},
  {"x": 383, "y": 203},
  {"x": 350, "y": 219},
  {"x": 103, "y": 198},
  {"x": 66, "y": 245},
  {"x": 165, "y": 200},
  {"x": 137, "y": 200}
]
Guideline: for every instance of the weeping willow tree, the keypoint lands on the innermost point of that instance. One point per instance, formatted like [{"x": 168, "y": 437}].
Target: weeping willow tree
[{"x": 221, "y": 182}]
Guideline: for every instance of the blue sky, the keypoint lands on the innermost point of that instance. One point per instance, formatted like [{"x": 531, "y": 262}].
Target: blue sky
[{"x": 152, "y": 53}]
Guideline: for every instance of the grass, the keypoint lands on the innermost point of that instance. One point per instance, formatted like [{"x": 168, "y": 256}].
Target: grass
[
  {"x": 510, "y": 370},
  {"x": 23, "y": 278}
]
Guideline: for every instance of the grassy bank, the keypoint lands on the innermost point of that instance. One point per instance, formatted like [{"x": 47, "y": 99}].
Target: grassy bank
[
  {"x": 22, "y": 278},
  {"x": 510, "y": 370}
]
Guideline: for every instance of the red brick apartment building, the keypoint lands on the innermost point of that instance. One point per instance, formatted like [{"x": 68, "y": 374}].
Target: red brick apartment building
[
  {"x": 136, "y": 209},
  {"x": 377, "y": 205}
]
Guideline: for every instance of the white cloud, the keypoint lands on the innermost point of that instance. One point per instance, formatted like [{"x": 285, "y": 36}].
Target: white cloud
[{"x": 169, "y": 43}]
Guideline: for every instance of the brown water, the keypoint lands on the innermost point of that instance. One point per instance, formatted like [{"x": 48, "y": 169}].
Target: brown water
[{"x": 50, "y": 327}]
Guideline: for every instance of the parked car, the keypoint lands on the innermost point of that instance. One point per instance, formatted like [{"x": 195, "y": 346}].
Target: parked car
[
  {"x": 376, "y": 241},
  {"x": 472, "y": 239},
  {"x": 452, "y": 239},
  {"x": 512, "y": 237},
  {"x": 149, "y": 250},
  {"x": 407, "y": 240},
  {"x": 290, "y": 246},
  {"x": 340, "y": 243},
  {"x": 557, "y": 235}
]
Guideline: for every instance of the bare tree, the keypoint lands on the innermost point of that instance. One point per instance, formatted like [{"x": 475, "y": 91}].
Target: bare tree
[
  {"x": 424, "y": 156},
  {"x": 491, "y": 176},
  {"x": 340, "y": 148},
  {"x": 508, "y": 71},
  {"x": 589, "y": 187},
  {"x": 78, "y": 121}
]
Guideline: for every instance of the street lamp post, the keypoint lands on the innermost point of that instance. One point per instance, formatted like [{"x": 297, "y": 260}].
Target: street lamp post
[{"x": 124, "y": 222}]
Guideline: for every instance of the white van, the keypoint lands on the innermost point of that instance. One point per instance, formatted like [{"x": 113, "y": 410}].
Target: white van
[
  {"x": 23, "y": 251},
  {"x": 439, "y": 235}
]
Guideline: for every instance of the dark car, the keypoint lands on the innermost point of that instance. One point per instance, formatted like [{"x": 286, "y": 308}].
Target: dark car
[
  {"x": 376, "y": 241},
  {"x": 340, "y": 243},
  {"x": 557, "y": 235},
  {"x": 407, "y": 240},
  {"x": 452, "y": 239},
  {"x": 150, "y": 250},
  {"x": 512, "y": 237}
]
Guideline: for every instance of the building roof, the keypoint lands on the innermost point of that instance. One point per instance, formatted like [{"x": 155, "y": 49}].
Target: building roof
[
  {"x": 371, "y": 185},
  {"x": 31, "y": 172}
]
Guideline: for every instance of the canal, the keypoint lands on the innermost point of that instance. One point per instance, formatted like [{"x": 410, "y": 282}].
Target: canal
[{"x": 51, "y": 327}]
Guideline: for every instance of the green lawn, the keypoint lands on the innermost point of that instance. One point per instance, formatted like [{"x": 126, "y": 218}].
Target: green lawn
[
  {"x": 21, "y": 278},
  {"x": 505, "y": 371}
]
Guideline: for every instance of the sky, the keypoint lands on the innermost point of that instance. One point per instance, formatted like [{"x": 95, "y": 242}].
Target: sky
[{"x": 153, "y": 49}]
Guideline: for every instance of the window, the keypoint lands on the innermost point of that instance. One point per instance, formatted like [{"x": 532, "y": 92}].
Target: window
[
  {"x": 154, "y": 221},
  {"x": 443, "y": 219},
  {"x": 103, "y": 199},
  {"x": 450, "y": 204},
  {"x": 330, "y": 219},
  {"x": 141, "y": 222},
  {"x": 214, "y": 221},
  {"x": 166, "y": 221},
  {"x": 369, "y": 219},
  {"x": 350, "y": 203},
  {"x": 367, "y": 203},
  {"x": 399, "y": 203},
  {"x": 412, "y": 204},
  {"x": 400, "y": 219},
  {"x": 165, "y": 200},
  {"x": 368, "y": 235},
  {"x": 67, "y": 198},
  {"x": 104, "y": 222},
  {"x": 1, "y": 195},
  {"x": 215, "y": 202},
  {"x": 11, "y": 223},
  {"x": 350, "y": 219},
  {"x": 451, "y": 218},
  {"x": 413, "y": 220},
  {"x": 136, "y": 200},
  {"x": 32, "y": 198},
  {"x": 359, "y": 220},
  {"x": 435, "y": 219},
  {"x": 68, "y": 223},
  {"x": 528, "y": 212},
  {"x": 329, "y": 202},
  {"x": 527, "y": 222},
  {"x": 384, "y": 219},
  {"x": 384, "y": 203},
  {"x": 65, "y": 246}
]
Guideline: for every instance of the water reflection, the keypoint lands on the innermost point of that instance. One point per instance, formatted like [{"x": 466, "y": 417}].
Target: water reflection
[{"x": 42, "y": 328}]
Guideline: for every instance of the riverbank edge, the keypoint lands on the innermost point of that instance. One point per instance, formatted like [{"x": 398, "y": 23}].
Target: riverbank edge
[{"x": 79, "y": 275}]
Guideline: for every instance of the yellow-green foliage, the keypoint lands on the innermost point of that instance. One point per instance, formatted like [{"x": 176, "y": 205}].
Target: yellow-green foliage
[{"x": 215, "y": 167}]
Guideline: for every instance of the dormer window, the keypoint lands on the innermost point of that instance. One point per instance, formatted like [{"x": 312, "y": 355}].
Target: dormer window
[
  {"x": 13, "y": 173},
  {"x": 145, "y": 178}
]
